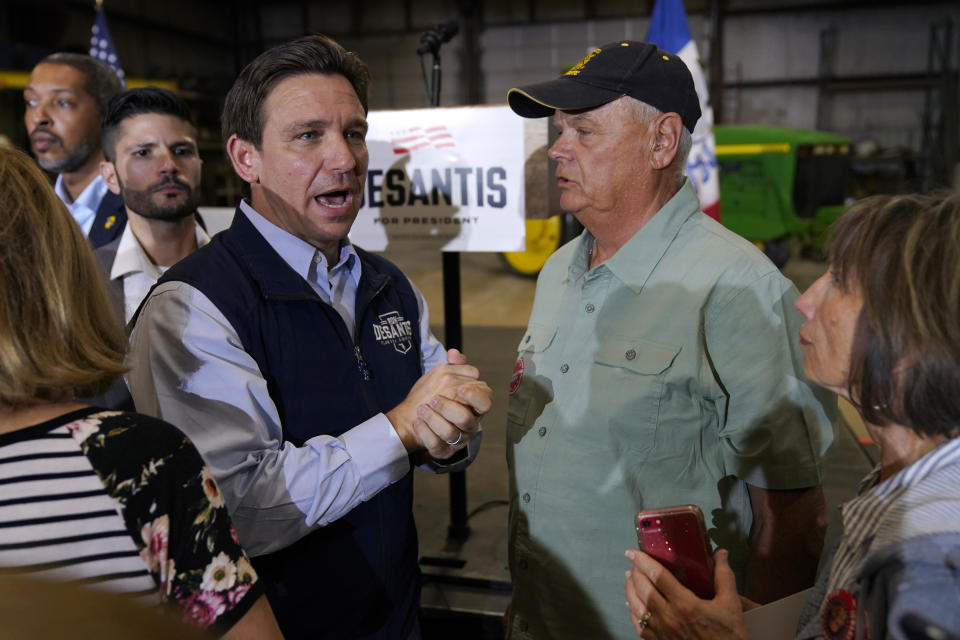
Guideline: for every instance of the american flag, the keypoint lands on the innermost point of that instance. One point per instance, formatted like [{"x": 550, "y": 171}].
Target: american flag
[
  {"x": 101, "y": 45},
  {"x": 419, "y": 138}
]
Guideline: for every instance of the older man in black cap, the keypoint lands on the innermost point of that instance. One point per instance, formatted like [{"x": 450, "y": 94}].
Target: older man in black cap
[{"x": 660, "y": 366}]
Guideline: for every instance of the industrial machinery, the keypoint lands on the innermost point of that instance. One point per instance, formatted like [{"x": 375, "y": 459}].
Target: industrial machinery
[{"x": 780, "y": 186}]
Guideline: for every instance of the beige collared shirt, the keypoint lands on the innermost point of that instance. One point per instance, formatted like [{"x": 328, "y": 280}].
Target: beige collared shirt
[{"x": 133, "y": 267}]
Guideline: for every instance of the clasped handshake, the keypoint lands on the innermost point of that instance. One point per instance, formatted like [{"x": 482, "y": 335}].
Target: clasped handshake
[{"x": 442, "y": 411}]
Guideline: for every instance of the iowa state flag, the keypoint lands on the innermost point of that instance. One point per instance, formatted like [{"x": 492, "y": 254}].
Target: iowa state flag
[{"x": 669, "y": 31}]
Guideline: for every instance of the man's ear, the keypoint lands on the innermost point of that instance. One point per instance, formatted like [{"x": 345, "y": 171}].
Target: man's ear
[
  {"x": 109, "y": 174},
  {"x": 667, "y": 130},
  {"x": 245, "y": 158}
]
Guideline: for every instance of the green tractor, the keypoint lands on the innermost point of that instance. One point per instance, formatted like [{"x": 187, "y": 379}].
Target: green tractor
[{"x": 777, "y": 187}]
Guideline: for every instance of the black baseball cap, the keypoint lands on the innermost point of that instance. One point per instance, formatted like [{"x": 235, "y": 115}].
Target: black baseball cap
[{"x": 626, "y": 68}]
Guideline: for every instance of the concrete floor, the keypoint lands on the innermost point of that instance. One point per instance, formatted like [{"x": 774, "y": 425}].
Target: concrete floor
[{"x": 467, "y": 584}]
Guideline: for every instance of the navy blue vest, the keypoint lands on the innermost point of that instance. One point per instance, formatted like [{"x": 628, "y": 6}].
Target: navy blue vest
[
  {"x": 357, "y": 577},
  {"x": 110, "y": 219}
]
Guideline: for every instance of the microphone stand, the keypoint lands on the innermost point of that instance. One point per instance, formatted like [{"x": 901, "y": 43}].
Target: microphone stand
[
  {"x": 458, "y": 529},
  {"x": 435, "y": 79}
]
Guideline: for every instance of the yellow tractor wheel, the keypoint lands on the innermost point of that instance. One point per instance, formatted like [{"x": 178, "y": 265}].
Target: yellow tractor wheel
[{"x": 543, "y": 238}]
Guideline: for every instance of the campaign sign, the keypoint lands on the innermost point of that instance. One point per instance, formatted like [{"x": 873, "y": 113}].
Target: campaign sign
[{"x": 450, "y": 176}]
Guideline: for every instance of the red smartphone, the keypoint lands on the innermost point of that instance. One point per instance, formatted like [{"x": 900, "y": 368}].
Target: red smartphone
[{"x": 677, "y": 538}]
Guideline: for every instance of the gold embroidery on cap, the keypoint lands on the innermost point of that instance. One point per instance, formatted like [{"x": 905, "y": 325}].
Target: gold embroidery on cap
[
  {"x": 575, "y": 69},
  {"x": 666, "y": 57},
  {"x": 624, "y": 44}
]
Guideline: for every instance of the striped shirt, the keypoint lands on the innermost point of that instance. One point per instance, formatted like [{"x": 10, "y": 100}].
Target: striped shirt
[
  {"x": 56, "y": 519},
  {"x": 918, "y": 500}
]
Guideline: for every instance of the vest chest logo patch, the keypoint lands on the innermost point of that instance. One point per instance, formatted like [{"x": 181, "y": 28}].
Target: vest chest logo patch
[{"x": 395, "y": 330}]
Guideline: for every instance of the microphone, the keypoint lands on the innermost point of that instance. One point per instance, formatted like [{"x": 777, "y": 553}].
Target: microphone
[{"x": 431, "y": 40}]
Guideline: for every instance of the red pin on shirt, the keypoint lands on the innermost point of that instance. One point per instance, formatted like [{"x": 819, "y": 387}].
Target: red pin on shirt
[{"x": 517, "y": 376}]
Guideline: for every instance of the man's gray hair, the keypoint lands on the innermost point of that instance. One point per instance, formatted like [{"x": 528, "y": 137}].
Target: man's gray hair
[{"x": 645, "y": 113}]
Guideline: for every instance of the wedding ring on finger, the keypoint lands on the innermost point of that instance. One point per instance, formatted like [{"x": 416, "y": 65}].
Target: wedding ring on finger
[
  {"x": 644, "y": 620},
  {"x": 457, "y": 441}
]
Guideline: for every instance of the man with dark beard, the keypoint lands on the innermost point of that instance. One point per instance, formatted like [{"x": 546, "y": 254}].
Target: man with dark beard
[
  {"x": 152, "y": 162},
  {"x": 65, "y": 98}
]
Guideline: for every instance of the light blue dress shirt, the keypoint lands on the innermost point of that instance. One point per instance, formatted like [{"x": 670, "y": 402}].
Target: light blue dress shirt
[
  {"x": 84, "y": 208},
  {"x": 188, "y": 366}
]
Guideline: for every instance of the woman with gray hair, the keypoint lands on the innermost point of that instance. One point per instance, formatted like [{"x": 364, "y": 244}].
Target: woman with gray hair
[{"x": 882, "y": 330}]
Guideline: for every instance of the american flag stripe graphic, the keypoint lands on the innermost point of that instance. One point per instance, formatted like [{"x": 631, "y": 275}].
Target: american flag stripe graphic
[{"x": 419, "y": 138}]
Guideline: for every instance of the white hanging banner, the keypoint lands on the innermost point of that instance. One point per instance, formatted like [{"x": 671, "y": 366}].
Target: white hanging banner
[{"x": 453, "y": 176}]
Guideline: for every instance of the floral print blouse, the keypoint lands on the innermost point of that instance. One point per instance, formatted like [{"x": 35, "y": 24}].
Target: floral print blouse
[{"x": 169, "y": 504}]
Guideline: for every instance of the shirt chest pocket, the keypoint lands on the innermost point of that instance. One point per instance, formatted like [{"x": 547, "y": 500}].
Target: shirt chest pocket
[{"x": 628, "y": 381}]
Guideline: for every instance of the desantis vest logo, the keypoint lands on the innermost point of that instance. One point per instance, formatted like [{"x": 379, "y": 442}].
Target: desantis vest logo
[{"x": 394, "y": 329}]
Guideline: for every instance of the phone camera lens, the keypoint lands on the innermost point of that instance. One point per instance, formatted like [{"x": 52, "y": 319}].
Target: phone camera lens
[{"x": 644, "y": 523}]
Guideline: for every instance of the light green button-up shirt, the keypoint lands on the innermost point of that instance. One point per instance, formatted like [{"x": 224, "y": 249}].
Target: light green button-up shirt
[{"x": 669, "y": 374}]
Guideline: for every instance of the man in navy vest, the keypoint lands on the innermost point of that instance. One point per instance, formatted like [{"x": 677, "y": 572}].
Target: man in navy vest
[
  {"x": 303, "y": 367},
  {"x": 65, "y": 98}
]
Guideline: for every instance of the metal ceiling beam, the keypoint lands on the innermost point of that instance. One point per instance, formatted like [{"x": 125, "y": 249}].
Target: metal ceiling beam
[
  {"x": 884, "y": 82},
  {"x": 117, "y": 15}
]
